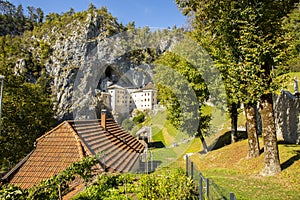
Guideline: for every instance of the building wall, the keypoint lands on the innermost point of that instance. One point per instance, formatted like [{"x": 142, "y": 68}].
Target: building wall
[
  {"x": 119, "y": 100},
  {"x": 145, "y": 99},
  {"x": 124, "y": 100}
]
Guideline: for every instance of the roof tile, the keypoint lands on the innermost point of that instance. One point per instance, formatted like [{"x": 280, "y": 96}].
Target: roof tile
[{"x": 70, "y": 142}]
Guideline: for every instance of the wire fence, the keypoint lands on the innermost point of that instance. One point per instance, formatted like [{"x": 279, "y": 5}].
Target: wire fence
[{"x": 206, "y": 188}]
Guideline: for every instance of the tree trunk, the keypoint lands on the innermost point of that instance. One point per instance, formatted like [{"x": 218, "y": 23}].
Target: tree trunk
[
  {"x": 204, "y": 145},
  {"x": 234, "y": 120},
  {"x": 252, "y": 134},
  {"x": 271, "y": 159}
]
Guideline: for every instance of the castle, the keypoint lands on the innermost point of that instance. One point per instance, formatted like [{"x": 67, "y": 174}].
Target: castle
[{"x": 122, "y": 101}]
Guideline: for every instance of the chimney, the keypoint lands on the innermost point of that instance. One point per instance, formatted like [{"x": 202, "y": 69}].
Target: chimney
[{"x": 103, "y": 118}]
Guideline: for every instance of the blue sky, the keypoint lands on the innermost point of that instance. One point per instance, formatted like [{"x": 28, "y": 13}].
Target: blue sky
[{"x": 152, "y": 13}]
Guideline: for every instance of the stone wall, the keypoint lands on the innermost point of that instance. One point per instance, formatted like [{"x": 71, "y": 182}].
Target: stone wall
[{"x": 287, "y": 110}]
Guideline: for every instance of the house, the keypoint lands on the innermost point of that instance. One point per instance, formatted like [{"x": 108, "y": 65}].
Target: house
[
  {"x": 145, "y": 98},
  {"x": 69, "y": 142},
  {"x": 124, "y": 100},
  {"x": 119, "y": 99}
]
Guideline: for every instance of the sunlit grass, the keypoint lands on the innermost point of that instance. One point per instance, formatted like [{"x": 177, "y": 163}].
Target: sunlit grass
[{"x": 230, "y": 168}]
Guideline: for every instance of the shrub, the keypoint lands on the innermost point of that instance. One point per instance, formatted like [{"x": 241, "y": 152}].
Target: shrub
[
  {"x": 127, "y": 124},
  {"x": 139, "y": 118}
]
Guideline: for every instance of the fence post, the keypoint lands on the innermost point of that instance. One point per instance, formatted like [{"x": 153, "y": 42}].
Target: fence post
[
  {"x": 207, "y": 188},
  {"x": 232, "y": 196},
  {"x": 192, "y": 170},
  {"x": 200, "y": 187},
  {"x": 187, "y": 165}
]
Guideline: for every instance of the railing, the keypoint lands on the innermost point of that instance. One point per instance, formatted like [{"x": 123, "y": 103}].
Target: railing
[{"x": 205, "y": 187}]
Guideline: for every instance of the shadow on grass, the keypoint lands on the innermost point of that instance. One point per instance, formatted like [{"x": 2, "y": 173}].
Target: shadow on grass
[
  {"x": 225, "y": 139},
  {"x": 158, "y": 144},
  {"x": 291, "y": 161}
]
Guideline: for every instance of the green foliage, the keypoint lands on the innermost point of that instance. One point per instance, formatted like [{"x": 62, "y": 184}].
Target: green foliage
[
  {"x": 67, "y": 22},
  {"x": 234, "y": 173},
  {"x": 246, "y": 40},
  {"x": 292, "y": 27},
  {"x": 14, "y": 21},
  {"x": 139, "y": 118},
  {"x": 108, "y": 187},
  {"x": 44, "y": 50},
  {"x": 167, "y": 185},
  {"x": 27, "y": 110},
  {"x": 182, "y": 90},
  {"x": 128, "y": 124},
  {"x": 11, "y": 192},
  {"x": 49, "y": 189},
  {"x": 84, "y": 168}
]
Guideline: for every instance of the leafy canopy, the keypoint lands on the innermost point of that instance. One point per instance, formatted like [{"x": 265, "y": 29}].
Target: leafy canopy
[
  {"x": 246, "y": 40},
  {"x": 183, "y": 91}
]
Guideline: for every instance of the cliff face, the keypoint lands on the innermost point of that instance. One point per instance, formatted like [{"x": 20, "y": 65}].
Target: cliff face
[
  {"x": 86, "y": 51},
  {"x": 69, "y": 50}
]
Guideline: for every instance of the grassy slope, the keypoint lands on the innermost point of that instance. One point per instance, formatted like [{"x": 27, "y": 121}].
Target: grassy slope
[
  {"x": 228, "y": 167},
  {"x": 164, "y": 132},
  {"x": 231, "y": 170}
]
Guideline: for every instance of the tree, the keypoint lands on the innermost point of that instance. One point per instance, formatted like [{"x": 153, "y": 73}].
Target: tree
[
  {"x": 246, "y": 40},
  {"x": 139, "y": 118},
  {"x": 183, "y": 91},
  {"x": 27, "y": 107},
  {"x": 292, "y": 27},
  {"x": 128, "y": 124},
  {"x": 40, "y": 15}
]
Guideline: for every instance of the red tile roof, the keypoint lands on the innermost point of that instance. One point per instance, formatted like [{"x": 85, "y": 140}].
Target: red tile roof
[
  {"x": 69, "y": 142},
  {"x": 55, "y": 151}
]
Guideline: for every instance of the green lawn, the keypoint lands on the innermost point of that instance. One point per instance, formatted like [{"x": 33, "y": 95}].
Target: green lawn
[{"x": 229, "y": 168}]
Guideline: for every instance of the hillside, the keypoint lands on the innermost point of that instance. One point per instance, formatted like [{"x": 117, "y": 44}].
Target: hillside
[
  {"x": 60, "y": 63},
  {"x": 232, "y": 171}
]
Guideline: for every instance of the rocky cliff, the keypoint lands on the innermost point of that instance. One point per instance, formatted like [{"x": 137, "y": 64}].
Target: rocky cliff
[{"x": 85, "y": 49}]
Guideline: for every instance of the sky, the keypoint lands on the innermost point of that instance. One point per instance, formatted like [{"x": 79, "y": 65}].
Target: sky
[{"x": 152, "y": 13}]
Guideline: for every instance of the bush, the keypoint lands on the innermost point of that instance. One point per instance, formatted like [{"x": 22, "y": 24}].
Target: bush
[
  {"x": 139, "y": 118},
  {"x": 107, "y": 187},
  {"x": 127, "y": 124},
  {"x": 167, "y": 185}
]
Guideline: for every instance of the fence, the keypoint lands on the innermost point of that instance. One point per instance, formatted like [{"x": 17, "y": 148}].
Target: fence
[{"x": 205, "y": 187}]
